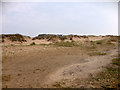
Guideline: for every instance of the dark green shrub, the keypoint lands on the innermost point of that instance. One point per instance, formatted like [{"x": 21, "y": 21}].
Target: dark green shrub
[
  {"x": 96, "y": 53},
  {"x": 12, "y": 44},
  {"x": 116, "y": 61},
  {"x": 14, "y": 37},
  {"x": 33, "y": 43},
  {"x": 62, "y": 38}
]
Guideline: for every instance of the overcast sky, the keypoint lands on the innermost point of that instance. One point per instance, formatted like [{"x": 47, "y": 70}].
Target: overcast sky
[{"x": 82, "y": 18}]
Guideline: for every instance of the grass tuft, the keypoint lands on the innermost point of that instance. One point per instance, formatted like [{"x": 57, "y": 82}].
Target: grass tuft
[
  {"x": 96, "y": 53},
  {"x": 57, "y": 84},
  {"x": 6, "y": 78},
  {"x": 66, "y": 44},
  {"x": 33, "y": 43},
  {"x": 109, "y": 77},
  {"x": 116, "y": 61}
]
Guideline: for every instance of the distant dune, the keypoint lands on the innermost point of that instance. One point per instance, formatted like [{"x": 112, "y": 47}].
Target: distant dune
[{"x": 17, "y": 39}]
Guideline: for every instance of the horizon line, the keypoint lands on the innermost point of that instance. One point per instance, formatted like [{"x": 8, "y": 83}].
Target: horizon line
[{"x": 61, "y": 34}]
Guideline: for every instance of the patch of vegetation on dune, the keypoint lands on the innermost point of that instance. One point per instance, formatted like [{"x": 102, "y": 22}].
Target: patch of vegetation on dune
[
  {"x": 105, "y": 41},
  {"x": 50, "y": 37},
  {"x": 93, "y": 47},
  {"x": 116, "y": 61},
  {"x": 6, "y": 78},
  {"x": 96, "y": 53},
  {"x": 33, "y": 43},
  {"x": 57, "y": 84},
  {"x": 66, "y": 44},
  {"x": 44, "y": 36},
  {"x": 13, "y": 37},
  {"x": 50, "y": 44},
  {"x": 109, "y": 78},
  {"x": 98, "y": 42},
  {"x": 114, "y": 39}
]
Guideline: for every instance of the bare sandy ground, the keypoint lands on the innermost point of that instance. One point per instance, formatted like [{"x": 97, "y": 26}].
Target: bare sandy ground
[{"x": 41, "y": 66}]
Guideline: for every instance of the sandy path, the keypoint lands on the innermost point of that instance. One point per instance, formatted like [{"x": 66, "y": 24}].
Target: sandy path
[{"x": 82, "y": 70}]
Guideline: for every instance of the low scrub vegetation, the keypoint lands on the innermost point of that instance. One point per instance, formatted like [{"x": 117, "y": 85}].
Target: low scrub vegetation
[
  {"x": 33, "y": 43},
  {"x": 98, "y": 42},
  {"x": 110, "y": 77},
  {"x": 6, "y": 78},
  {"x": 96, "y": 53},
  {"x": 12, "y": 45},
  {"x": 116, "y": 61},
  {"x": 50, "y": 37},
  {"x": 57, "y": 84},
  {"x": 113, "y": 39},
  {"x": 66, "y": 44},
  {"x": 14, "y": 37}
]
